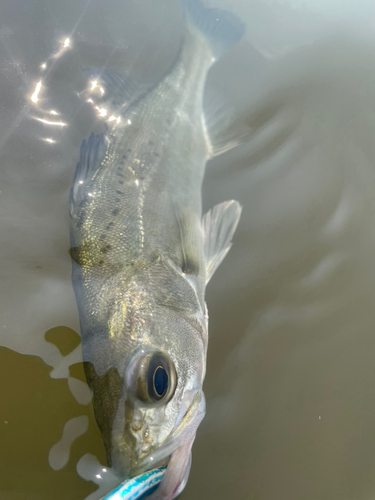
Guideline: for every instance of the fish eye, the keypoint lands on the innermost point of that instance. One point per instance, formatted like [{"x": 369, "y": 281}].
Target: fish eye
[
  {"x": 160, "y": 382},
  {"x": 156, "y": 378}
]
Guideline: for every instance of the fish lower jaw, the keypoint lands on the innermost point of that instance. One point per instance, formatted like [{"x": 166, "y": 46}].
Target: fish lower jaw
[
  {"x": 161, "y": 463},
  {"x": 140, "y": 469}
]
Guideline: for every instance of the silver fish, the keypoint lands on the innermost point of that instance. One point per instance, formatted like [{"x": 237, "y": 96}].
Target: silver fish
[{"x": 142, "y": 256}]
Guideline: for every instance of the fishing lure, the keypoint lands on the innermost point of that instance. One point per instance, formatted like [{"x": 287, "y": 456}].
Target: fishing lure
[{"x": 137, "y": 487}]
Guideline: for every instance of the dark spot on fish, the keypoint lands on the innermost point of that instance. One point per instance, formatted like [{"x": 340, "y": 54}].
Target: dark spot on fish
[
  {"x": 168, "y": 121},
  {"x": 108, "y": 227},
  {"x": 151, "y": 143},
  {"x": 115, "y": 211},
  {"x": 88, "y": 253},
  {"x": 119, "y": 192},
  {"x": 101, "y": 262},
  {"x": 124, "y": 157},
  {"x": 120, "y": 174},
  {"x": 128, "y": 150},
  {"x": 156, "y": 154},
  {"x": 111, "y": 224},
  {"x": 117, "y": 200},
  {"x": 108, "y": 386},
  {"x": 121, "y": 182},
  {"x": 106, "y": 248}
]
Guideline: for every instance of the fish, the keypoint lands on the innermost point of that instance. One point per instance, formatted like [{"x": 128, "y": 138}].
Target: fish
[{"x": 142, "y": 254}]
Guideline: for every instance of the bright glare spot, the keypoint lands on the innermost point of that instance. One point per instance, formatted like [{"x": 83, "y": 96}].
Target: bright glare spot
[
  {"x": 101, "y": 90},
  {"x": 49, "y": 140},
  {"x": 98, "y": 476},
  {"x": 136, "y": 182},
  {"x": 320, "y": 418},
  {"x": 34, "y": 97},
  {"x": 102, "y": 111},
  {"x": 65, "y": 44},
  {"x": 104, "y": 470},
  {"x": 118, "y": 120},
  {"x": 129, "y": 122},
  {"x": 43, "y": 66},
  {"x": 111, "y": 118},
  {"x": 90, "y": 194},
  {"x": 53, "y": 112},
  {"x": 47, "y": 122},
  {"x": 94, "y": 84},
  {"x": 151, "y": 458},
  {"x": 80, "y": 182},
  {"x": 90, "y": 100}
]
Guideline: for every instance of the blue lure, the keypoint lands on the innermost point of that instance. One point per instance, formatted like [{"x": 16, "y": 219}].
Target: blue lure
[{"x": 137, "y": 487}]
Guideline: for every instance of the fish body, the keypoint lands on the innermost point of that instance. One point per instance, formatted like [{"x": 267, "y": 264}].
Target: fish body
[{"x": 142, "y": 256}]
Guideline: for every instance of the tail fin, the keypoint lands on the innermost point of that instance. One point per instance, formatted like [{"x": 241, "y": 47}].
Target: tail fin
[{"x": 221, "y": 28}]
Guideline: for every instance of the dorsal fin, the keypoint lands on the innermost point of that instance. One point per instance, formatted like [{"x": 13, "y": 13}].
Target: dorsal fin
[
  {"x": 219, "y": 225},
  {"x": 92, "y": 153}
]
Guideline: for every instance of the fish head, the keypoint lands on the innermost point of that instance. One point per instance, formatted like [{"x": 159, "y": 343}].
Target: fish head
[{"x": 150, "y": 405}]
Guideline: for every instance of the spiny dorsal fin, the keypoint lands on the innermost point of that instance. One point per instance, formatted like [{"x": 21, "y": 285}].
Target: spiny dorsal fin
[
  {"x": 92, "y": 153},
  {"x": 113, "y": 89},
  {"x": 219, "y": 225}
]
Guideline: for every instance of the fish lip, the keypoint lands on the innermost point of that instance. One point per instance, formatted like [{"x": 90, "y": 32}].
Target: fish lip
[
  {"x": 162, "y": 463},
  {"x": 183, "y": 433},
  {"x": 177, "y": 473},
  {"x": 145, "y": 466}
]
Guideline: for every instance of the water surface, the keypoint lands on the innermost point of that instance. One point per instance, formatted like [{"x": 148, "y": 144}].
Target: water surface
[{"x": 289, "y": 384}]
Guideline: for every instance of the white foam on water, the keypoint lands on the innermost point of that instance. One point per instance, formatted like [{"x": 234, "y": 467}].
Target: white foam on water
[{"x": 89, "y": 468}]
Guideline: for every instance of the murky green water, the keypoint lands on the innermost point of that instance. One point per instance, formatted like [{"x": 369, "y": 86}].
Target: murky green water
[{"x": 289, "y": 386}]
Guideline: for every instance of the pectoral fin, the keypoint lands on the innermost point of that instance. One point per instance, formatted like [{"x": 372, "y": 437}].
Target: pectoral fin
[
  {"x": 189, "y": 230},
  {"x": 219, "y": 225}
]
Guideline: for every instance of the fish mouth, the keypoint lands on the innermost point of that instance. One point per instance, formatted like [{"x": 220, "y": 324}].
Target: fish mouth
[
  {"x": 176, "y": 475},
  {"x": 161, "y": 463},
  {"x": 176, "y": 453}
]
